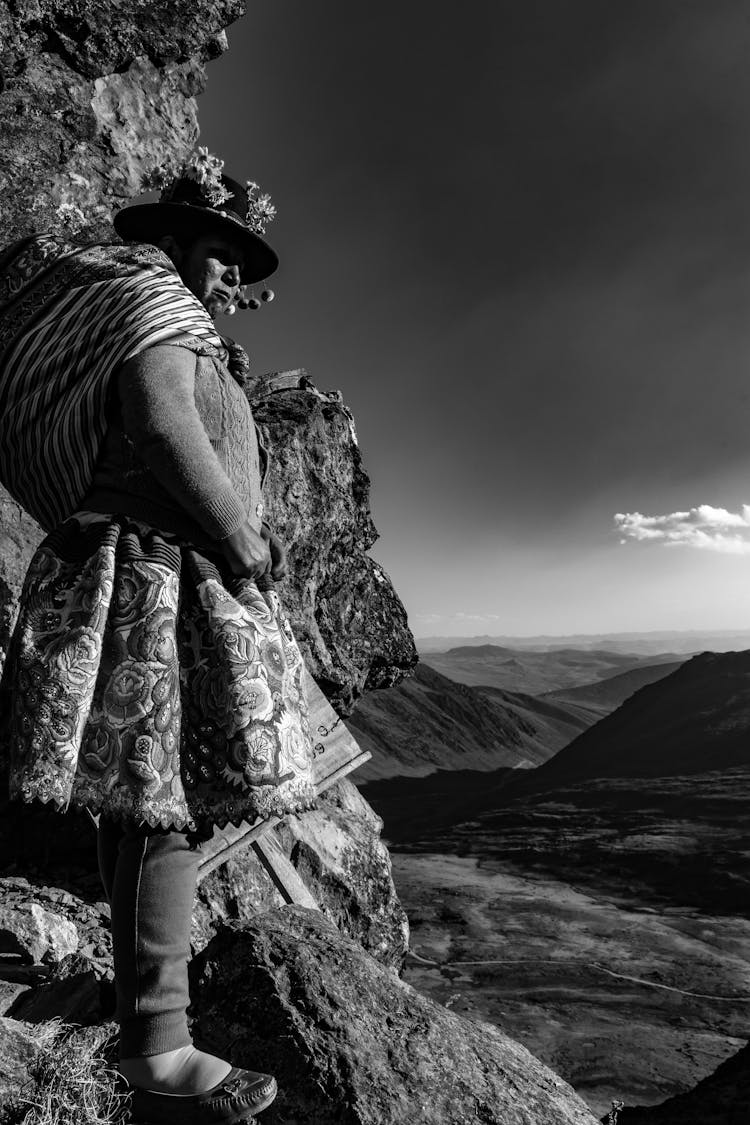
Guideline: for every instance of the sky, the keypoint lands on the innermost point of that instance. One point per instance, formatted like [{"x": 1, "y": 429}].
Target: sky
[{"x": 516, "y": 236}]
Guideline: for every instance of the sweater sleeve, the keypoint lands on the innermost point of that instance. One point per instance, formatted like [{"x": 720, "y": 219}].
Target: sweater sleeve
[{"x": 157, "y": 399}]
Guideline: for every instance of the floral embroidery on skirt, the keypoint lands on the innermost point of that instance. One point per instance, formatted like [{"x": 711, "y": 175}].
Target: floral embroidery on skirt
[{"x": 146, "y": 681}]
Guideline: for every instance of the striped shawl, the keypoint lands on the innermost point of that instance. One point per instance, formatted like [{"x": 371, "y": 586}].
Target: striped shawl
[{"x": 70, "y": 316}]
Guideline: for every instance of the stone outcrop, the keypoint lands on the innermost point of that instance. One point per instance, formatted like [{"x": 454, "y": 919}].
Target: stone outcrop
[
  {"x": 42, "y": 925},
  {"x": 351, "y": 1044},
  {"x": 94, "y": 99},
  {"x": 34, "y": 933},
  {"x": 346, "y": 614}
]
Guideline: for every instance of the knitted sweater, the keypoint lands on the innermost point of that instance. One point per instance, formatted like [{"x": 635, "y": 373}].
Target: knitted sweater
[{"x": 181, "y": 450}]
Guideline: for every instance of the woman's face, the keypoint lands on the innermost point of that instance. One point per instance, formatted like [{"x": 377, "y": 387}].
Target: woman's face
[{"x": 210, "y": 267}]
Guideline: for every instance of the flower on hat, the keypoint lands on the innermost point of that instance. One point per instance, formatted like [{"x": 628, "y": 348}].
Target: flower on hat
[
  {"x": 260, "y": 209},
  {"x": 205, "y": 168}
]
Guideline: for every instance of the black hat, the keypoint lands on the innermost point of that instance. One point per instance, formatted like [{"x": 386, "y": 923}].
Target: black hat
[{"x": 186, "y": 207}]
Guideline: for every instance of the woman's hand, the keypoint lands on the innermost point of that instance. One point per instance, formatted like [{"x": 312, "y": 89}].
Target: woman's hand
[
  {"x": 247, "y": 552},
  {"x": 278, "y": 553}
]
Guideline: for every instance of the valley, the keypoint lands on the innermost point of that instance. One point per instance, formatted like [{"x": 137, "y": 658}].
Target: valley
[
  {"x": 596, "y": 907},
  {"x": 605, "y": 927},
  {"x": 623, "y": 1002}
]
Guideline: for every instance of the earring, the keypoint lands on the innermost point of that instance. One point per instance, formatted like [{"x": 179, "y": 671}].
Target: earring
[
  {"x": 267, "y": 295},
  {"x": 250, "y": 302},
  {"x": 230, "y": 310}
]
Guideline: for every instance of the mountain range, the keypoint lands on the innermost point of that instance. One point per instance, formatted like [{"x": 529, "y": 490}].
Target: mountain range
[
  {"x": 604, "y": 696},
  {"x": 536, "y": 672},
  {"x": 685, "y": 642},
  {"x": 430, "y": 722},
  {"x": 695, "y": 719}
]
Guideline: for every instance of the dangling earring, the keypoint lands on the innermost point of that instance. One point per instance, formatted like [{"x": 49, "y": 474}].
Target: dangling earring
[
  {"x": 267, "y": 295},
  {"x": 250, "y": 302},
  {"x": 230, "y": 310}
]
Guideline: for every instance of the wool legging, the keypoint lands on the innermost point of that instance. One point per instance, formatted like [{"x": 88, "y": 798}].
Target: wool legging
[{"x": 149, "y": 875}]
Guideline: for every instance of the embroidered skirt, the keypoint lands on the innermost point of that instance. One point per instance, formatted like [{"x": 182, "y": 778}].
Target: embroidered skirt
[{"x": 146, "y": 682}]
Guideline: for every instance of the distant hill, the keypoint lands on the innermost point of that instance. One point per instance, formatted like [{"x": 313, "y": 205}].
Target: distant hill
[
  {"x": 684, "y": 642},
  {"x": 534, "y": 673},
  {"x": 429, "y": 723},
  {"x": 693, "y": 720},
  {"x": 604, "y": 696}
]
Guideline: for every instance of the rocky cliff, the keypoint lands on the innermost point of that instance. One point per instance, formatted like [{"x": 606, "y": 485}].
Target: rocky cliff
[
  {"x": 347, "y": 616},
  {"x": 93, "y": 99}
]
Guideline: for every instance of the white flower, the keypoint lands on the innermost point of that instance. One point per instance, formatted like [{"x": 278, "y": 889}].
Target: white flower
[{"x": 206, "y": 170}]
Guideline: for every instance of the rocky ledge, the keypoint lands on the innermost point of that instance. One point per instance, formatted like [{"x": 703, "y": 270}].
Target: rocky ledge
[{"x": 351, "y": 1044}]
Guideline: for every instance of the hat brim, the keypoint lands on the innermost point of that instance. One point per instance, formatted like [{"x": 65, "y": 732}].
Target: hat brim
[{"x": 148, "y": 222}]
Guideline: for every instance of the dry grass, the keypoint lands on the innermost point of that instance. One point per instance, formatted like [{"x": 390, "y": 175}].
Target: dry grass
[{"x": 70, "y": 1083}]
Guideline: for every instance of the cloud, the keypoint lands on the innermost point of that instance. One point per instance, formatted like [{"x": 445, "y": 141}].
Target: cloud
[{"x": 705, "y": 528}]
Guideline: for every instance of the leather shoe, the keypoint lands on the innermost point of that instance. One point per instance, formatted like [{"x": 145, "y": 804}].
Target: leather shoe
[{"x": 242, "y": 1094}]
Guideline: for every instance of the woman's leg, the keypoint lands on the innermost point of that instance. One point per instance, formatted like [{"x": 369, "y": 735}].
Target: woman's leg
[
  {"x": 150, "y": 876},
  {"x": 108, "y": 846}
]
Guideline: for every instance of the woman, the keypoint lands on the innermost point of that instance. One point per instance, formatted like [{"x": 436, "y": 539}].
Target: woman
[{"x": 152, "y": 676}]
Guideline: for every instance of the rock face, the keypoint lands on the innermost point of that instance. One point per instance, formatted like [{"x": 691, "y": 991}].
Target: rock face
[
  {"x": 351, "y": 1044},
  {"x": 17, "y": 1049},
  {"x": 338, "y": 851},
  {"x": 346, "y": 614},
  {"x": 35, "y": 933},
  {"x": 93, "y": 98}
]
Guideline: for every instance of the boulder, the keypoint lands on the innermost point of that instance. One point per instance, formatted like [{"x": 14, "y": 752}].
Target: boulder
[
  {"x": 39, "y": 935},
  {"x": 339, "y": 854},
  {"x": 43, "y": 925},
  {"x": 351, "y": 1044}
]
